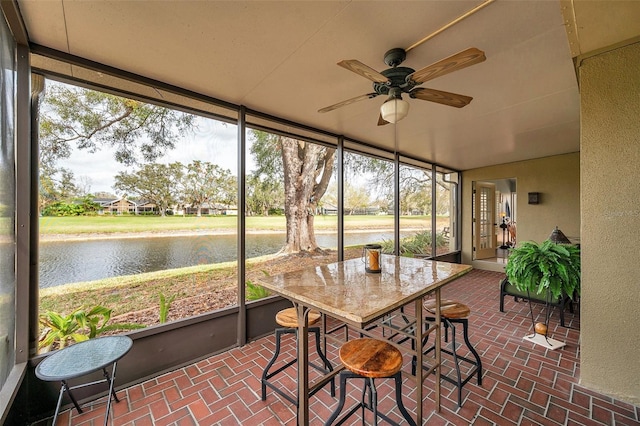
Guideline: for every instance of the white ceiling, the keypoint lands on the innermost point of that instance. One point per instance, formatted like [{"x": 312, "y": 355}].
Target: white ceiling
[{"x": 280, "y": 58}]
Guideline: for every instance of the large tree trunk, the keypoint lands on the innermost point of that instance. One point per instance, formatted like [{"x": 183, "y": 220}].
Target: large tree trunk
[{"x": 303, "y": 164}]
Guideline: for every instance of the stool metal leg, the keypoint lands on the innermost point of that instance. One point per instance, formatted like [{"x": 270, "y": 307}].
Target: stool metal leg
[
  {"x": 343, "y": 394},
  {"x": 465, "y": 329},
  {"x": 266, "y": 374},
  {"x": 478, "y": 369},
  {"x": 458, "y": 381},
  {"x": 363, "y": 404},
  {"x": 398, "y": 378},
  {"x": 372, "y": 404},
  {"x": 373, "y": 399},
  {"x": 325, "y": 361},
  {"x": 454, "y": 352}
]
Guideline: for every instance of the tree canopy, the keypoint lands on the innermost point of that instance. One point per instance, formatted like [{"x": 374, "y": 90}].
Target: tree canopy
[
  {"x": 194, "y": 185},
  {"x": 155, "y": 183},
  {"x": 415, "y": 184},
  {"x": 205, "y": 182},
  {"x": 77, "y": 118}
]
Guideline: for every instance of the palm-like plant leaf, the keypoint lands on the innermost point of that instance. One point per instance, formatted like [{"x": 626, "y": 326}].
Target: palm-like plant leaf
[{"x": 79, "y": 325}]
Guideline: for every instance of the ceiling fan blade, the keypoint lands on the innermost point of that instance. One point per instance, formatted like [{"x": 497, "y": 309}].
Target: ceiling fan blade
[
  {"x": 363, "y": 70},
  {"x": 445, "y": 98},
  {"x": 455, "y": 62},
  {"x": 348, "y": 102},
  {"x": 382, "y": 121}
]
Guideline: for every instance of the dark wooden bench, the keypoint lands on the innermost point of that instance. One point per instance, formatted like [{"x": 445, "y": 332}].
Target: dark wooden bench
[{"x": 508, "y": 289}]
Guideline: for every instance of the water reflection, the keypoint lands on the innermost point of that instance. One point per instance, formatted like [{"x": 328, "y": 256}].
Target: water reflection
[{"x": 63, "y": 262}]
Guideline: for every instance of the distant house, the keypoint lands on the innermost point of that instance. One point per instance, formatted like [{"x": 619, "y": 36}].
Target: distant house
[
  {"x": 363, "y": 211},
  {"x": 115, "y": 205},
  {"x": 328, "y": 209},
  {"x": 122, "y": 205},
  {"x": 145, "y": 206},
  {"x": 206, "y": 209},
  {"x": 231, "y": 211}
]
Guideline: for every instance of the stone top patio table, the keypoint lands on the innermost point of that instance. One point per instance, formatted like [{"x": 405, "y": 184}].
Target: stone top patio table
[
  {"x": 82, "y": 359},
  {"x": 344, "y": 291}
]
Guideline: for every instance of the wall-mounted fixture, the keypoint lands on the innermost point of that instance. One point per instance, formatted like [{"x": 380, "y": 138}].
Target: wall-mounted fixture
[{"x": 534, "y": 198}]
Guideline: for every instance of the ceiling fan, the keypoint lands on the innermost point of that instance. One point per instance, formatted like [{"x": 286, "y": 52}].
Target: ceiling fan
[{"x": 397, "y": 80}]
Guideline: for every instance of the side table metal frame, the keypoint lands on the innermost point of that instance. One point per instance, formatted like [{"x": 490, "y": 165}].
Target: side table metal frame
[
  {"x": 66, "y": 388},
  {"x": 108, "y": 378}
]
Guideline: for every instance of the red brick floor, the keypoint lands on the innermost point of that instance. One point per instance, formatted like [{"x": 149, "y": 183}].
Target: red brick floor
[{"x": 523, "y": 384}]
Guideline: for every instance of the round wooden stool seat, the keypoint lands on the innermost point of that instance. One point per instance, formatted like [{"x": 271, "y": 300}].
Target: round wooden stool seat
[
  {"x": 289, "y": 317},
  {"x": 371, "y": 357},
  {"x": 451, "y": 309}
]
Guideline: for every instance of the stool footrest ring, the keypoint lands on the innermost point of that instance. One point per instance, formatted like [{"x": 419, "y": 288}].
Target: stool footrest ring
[{"x": 267, "y": 375}]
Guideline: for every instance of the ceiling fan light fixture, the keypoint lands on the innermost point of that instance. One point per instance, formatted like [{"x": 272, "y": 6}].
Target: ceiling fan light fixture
[{"x": 394, "y": 110}]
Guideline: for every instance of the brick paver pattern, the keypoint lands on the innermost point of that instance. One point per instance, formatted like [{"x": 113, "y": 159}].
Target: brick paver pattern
[{"x": 523, "y": 384}]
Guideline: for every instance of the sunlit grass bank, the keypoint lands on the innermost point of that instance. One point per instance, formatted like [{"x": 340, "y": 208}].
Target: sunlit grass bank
[{"x": 134, "y": 292}]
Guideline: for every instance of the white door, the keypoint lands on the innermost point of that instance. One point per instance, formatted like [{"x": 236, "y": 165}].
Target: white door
[{"x": 484, "y": 218}]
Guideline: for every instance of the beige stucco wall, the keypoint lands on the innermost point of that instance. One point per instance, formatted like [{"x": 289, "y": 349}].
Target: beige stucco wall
[
  {"x": 610, "y": 188},
  {"x": 556, "y": 178}
]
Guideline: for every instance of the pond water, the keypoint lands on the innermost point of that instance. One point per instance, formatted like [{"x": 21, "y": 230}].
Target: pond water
[{"x": 63, "y": 262}]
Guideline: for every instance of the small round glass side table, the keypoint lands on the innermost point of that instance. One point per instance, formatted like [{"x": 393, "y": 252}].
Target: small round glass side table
[{"x": 81, "y": 359}]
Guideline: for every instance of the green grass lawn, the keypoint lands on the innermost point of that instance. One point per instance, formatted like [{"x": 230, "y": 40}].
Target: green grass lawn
[{"x": 126, "y": 223}]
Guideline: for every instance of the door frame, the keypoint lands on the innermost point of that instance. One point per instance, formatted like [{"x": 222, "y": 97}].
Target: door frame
[{"x": 484, "y": 219}]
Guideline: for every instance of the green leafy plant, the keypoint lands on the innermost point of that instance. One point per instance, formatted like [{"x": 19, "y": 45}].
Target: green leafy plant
[
  {"x": 78, "y": 326},
  {"x": 165, "y": 305},
  {"x": 61, "y": 329},
  {"x": 255, "y": 292},
  {"x": 545, "y": 266}
]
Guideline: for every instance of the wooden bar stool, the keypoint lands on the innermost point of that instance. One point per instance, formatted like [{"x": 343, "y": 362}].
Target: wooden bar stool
[
  {"x": 453, "y": 312},
  {"x": 288, "y": 320},
  {"x": 369, "y": 359}
]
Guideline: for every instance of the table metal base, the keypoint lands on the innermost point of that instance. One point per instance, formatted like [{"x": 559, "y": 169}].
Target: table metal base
[
  {"x": 66, "y": 388},
  {"x": 81, "y": 359}
]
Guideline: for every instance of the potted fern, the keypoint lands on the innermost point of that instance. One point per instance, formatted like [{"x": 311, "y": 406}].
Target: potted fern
[{"x": 545, "y": 268}]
